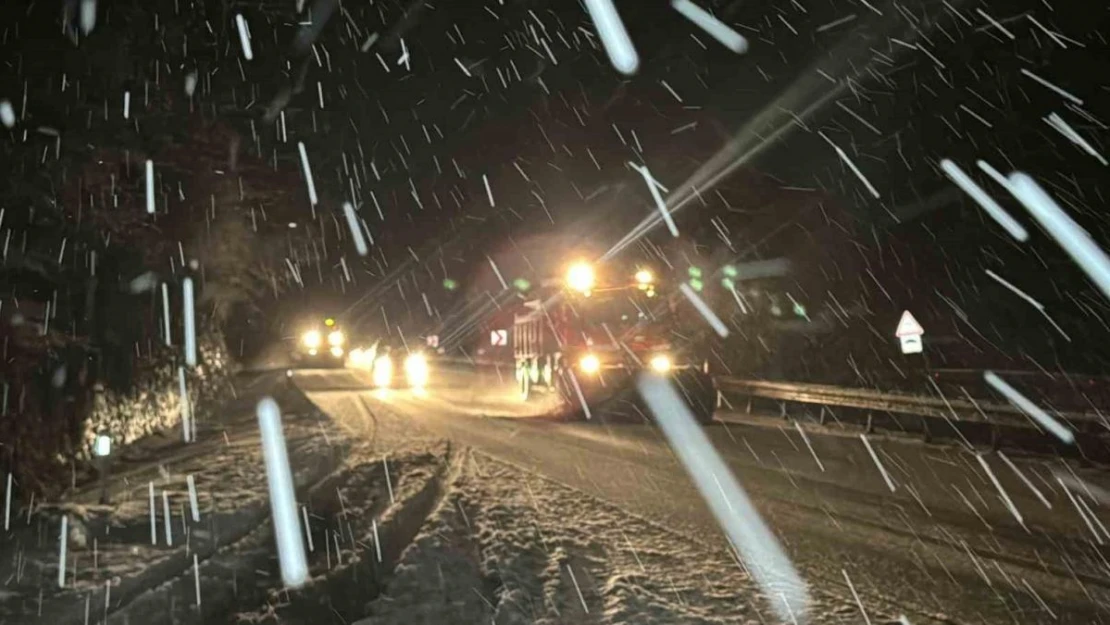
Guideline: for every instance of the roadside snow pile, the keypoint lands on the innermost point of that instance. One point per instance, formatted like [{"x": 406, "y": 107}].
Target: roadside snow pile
[
  {"x": 147, "y": 557},
  {"x": 509, "y": 547},
  {"x": 155, "y": 404}
]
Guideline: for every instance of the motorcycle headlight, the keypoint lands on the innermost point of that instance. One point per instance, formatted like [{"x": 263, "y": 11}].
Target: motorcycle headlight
[
  {"x": 335, "y": 338},
  {"x": 311, "y": 339},
  {"x": 416, "y": 370},
  {"x": 660, "y": 363},
  {"x": 382, "y": 373},
  {"x": 589, "y": 364}
]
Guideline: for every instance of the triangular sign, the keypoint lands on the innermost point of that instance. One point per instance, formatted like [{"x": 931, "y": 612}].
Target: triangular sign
[{"x": 908, "y": 326}]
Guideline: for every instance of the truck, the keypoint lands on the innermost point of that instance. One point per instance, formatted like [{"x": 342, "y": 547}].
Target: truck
[{"x": 586, "y": 340}]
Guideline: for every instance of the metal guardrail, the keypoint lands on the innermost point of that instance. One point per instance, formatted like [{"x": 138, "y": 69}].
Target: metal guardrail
[{"x": 955, "y": 409}]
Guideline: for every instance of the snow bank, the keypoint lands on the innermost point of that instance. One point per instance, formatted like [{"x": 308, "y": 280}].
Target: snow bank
[
  {"x": 155, "y": 403},
  {"x": 151, "y": 576}
]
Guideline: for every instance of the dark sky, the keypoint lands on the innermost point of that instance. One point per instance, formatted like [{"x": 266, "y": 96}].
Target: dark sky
[{"x": 538, "y": 113}]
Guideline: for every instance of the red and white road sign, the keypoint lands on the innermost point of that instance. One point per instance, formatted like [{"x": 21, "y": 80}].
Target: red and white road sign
[
  {"x": 499, "y": 338},
  {"x": 908, "y": 326}
]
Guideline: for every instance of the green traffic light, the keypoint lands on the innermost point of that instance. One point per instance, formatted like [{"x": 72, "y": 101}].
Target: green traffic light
[
  {"x": 521, "y": 284},
  {"x": 450, "y": 284},
  {"x": 695, "y": 272},
  {"x": 730, "y": 271},
  {"x": 696, "y": 285}
]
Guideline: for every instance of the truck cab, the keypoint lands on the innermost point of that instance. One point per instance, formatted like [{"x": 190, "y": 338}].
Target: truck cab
[{"x": 586, "y": 340}]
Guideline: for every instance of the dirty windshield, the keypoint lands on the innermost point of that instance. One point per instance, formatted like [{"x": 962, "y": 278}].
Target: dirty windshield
[{"x": 608, "y": 312}]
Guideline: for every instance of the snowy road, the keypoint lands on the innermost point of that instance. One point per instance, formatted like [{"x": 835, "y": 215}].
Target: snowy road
[
  {"x": 461, "y": 505},
  {"x": 943, "y": 545}
]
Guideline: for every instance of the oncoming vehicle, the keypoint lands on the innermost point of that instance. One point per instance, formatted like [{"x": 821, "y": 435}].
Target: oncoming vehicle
[
  {"x": 412, "y": 371},
  {"x": 321, "y": 344},
  {"x": 587, "y": 340}
]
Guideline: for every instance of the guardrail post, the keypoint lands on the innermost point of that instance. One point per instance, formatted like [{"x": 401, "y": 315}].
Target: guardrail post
[
  {"x": 870, "y": 429},
  {"x": 821, "y": 417},
  {"x": 782, "y": 410},
  {"x": 996, "y": 438},
  {"x": 926, "y": 433}
]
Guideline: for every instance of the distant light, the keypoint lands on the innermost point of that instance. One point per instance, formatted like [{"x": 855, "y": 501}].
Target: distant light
[
  {"x": 382, "y": 372},
  {"x": 697, "y": 285},
  {"x": 521, "y": 284},
  {"x": 329, "y": 322},
  {"x": 695, "y": 272},
  {"x": 731, "y": 271},
  {"x": 103, "y": 445},
  {"x": 450, "y": 284},
  {"x": 312, "y": 339},
  {"x": 644, "y": 277},
  {"x": 590, "y": 363},
  {"x": 416, "y": 370},
  {"x": 292, "y": 224},
  {"x": 580, "y": 277},
  {"x": 728, "y": 283},
  {"x": 660, "y": 363}
]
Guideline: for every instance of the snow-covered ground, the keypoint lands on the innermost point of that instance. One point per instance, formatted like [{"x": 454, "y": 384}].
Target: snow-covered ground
[
  {"x": 403, "y": 524},
  {"x": 410, "y": 532},
  {"x": 507, "y": 546}
]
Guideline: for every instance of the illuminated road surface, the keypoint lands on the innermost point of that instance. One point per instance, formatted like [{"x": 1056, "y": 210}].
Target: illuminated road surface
[{"x": 943, "y": 544}]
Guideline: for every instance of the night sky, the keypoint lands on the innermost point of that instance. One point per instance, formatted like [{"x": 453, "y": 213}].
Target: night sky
[{"x": 469, "y": 135}]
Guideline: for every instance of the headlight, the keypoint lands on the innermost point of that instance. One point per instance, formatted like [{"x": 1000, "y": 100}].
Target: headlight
[
  {"x": 382, "y": 374},
  {"x": 335, "y": 338},
  {"x": 580, "y": 277},
  {"x": 311, "y": 339},
  {"x": 660, "y": 363},
  {"x": 589, "y": 364},
  {"x": 416, "y": 370}
]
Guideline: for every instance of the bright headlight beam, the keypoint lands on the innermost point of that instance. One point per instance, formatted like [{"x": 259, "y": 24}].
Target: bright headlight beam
[
  {"x": 416, "y": 370},
  {"x": 382, "y": 374},
  {"x": 660, "y": 363},
  {"x": 734, "y": 511},
  {"x": 590, "y": 364},
  {"x": 311, "y": 339},
  {"x": 580, "y": 277}
]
